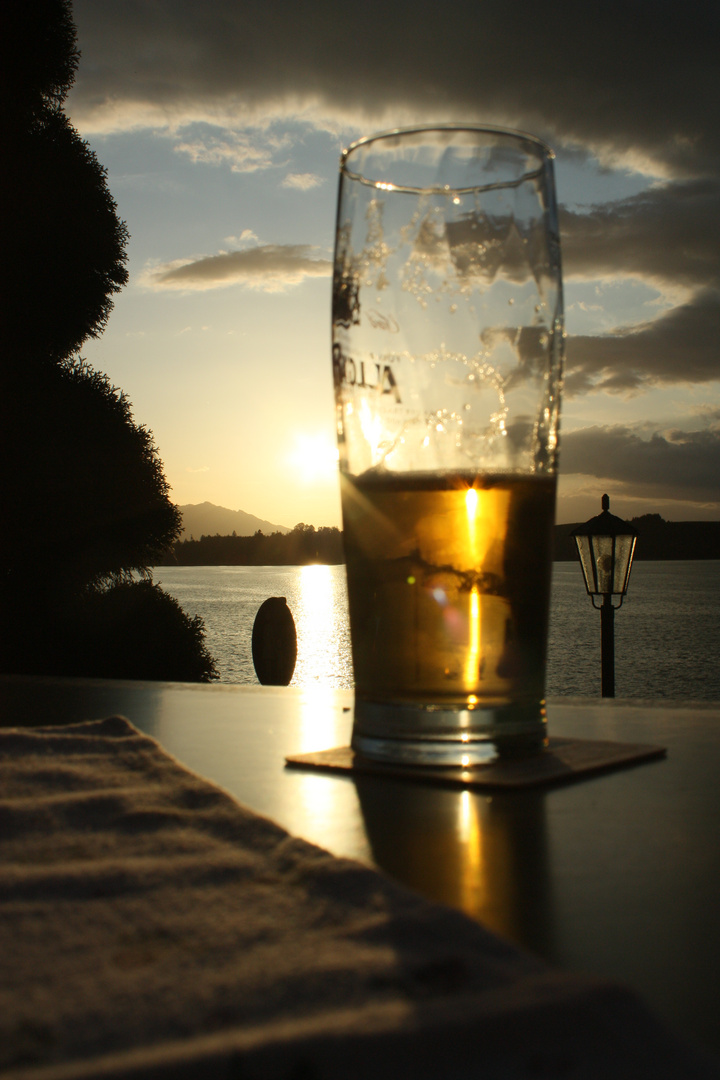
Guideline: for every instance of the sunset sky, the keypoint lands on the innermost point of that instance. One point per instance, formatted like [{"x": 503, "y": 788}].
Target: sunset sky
[{"x": 221, "y": 124}]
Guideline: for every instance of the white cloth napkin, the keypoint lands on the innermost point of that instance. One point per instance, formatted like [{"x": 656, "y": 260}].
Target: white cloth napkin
[{"x": 150, "y": 926}]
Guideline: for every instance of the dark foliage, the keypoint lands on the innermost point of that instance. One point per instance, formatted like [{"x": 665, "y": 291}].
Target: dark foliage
[
  {"x": 129, "y": 630},
  {"x": 88, "y": 505},
  {"x": 63, "y": 244},
  {"x": 38, "y": 55},
  {"x": 134, "y": 630},
  {"x": 85, "y": 483},
  {"x": 85, "y": 501}
]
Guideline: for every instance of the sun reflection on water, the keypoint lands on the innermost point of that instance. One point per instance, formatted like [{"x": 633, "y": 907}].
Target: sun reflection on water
[{"x": 317, "y": 610}]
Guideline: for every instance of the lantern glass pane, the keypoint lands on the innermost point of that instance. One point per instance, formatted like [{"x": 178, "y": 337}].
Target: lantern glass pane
[
  {"x": 603, "y": 549},
  {"x": 583, "y": 546},
  {"x": 623, "y": 556}
]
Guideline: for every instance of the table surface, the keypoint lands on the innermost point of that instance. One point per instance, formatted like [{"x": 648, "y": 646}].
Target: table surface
[{"x": 615, "y": 875}]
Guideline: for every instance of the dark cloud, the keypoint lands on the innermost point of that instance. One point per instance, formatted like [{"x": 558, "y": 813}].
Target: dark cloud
[
  {"x": 668, "y": 234},
  {"x": 268, "y": 267},
  {"x": 627, "y": 77},
  {"x": 674, "y": 465},
  {"x": 677, "y": 347}
]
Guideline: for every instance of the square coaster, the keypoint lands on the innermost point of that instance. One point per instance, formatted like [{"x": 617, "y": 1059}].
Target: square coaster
[{"x": 564, "y": 761}]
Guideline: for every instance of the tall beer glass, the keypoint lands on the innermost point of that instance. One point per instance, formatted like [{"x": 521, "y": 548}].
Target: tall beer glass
[{"x": 447, "y": 358}]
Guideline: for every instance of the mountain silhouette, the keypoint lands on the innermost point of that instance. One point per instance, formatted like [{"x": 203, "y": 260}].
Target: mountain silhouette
[{"x": 206, "y": 519}]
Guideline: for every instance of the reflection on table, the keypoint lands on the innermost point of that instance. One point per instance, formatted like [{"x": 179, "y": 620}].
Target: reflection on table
[{"x": 485, "y": 854}]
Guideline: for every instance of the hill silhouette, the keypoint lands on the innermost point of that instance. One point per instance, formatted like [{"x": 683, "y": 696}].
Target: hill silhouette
[
  {"x": 657, "y": 539},
  {"x": 207, "y": 519},
  {"x": 208, "y": 540}
]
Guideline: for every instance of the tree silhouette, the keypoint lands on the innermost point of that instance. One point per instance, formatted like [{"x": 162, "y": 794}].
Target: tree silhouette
[
  {"x": 85, "y": 500},
  {"x": 95, "y": 503},
  {"x": 302, "y": 546},
  {"x": 63, "y": 244},
  {"x": 38, "y": 56}
]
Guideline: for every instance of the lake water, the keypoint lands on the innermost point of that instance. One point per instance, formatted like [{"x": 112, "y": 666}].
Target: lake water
[{"x": 667, "y": 633}]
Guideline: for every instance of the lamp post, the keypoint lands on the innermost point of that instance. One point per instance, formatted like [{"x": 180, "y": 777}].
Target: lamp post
[{"x": 606, "y": 545}]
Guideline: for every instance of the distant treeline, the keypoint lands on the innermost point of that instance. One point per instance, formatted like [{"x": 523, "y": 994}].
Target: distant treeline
[
  {"x": 305, "y": 544},
  {"x": 657, "y": 539}
]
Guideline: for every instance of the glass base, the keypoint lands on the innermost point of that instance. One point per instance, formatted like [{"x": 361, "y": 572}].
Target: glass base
[{"x": 443, "y": 737}]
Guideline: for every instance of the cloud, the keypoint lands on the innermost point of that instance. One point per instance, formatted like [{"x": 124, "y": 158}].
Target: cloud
[
  {"x": 244, "y": 152},
  {"x": 267, "y": 267},
  {"x": 246, "y": 237},
  {"x": 633, "y": 82},
  {"x": 667, "y": 237},
  {"x": 677, "y": 465},
  {"x": 302, "y": 181},
  {"x": 677, "y": 347},
  {"x": 667, "y": 234}
]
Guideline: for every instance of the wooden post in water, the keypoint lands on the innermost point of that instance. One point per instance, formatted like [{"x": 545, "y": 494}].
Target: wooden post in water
[{"x": 274, "y": 642}]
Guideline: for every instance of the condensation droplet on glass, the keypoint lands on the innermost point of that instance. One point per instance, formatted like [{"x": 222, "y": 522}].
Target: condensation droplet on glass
[
  {"x": 511, "y": 301},
  {"x": 426, "y": 441},
  {"x": 467, "y": 406},
  {"x": 453, "y": 308},
  {"x": 457, "y": 200}
]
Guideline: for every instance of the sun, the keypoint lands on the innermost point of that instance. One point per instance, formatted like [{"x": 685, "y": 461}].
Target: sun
[{"x": 314, "y": 458}]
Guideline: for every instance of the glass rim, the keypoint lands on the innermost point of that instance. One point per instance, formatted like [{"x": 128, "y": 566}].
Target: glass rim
[{"x": 546, "y": 152}]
